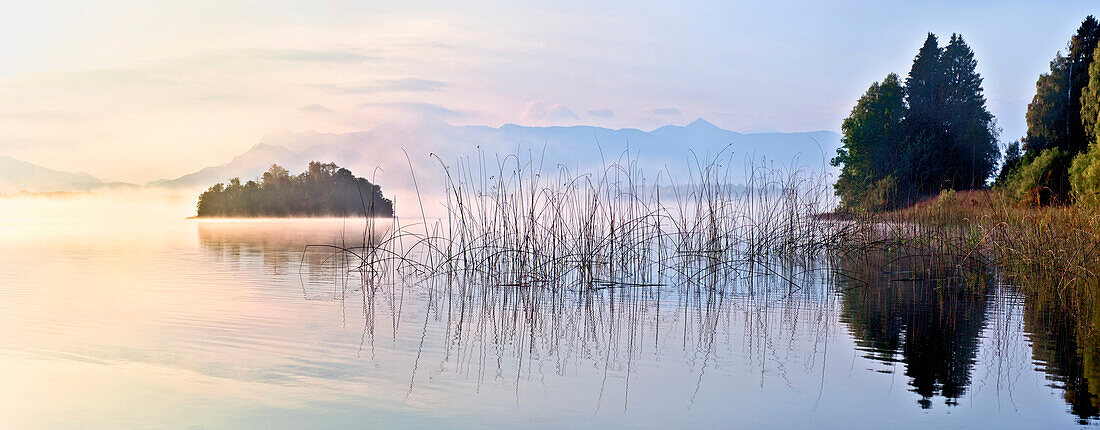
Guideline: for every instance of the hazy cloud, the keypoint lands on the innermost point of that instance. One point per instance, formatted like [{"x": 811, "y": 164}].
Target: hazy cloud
[
  {"x": 391, "y": 85},
  {"x": 542, "y": 111},
  {"x": 666, "y": 111},
  {"x": 425, "y": 109},
  {"x": 301, "y": 55},
  {"x": 601, "y": 113},
  {"x": 314, "y": 108}
]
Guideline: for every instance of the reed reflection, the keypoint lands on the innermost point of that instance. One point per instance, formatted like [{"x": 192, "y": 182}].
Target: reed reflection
[
  {"x": 695, "y": 311},
  {"x": 901, "y": 307},
  {"x": 497, "y": 332}
]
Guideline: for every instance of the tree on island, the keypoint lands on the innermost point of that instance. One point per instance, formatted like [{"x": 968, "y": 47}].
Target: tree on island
[
  {"x": 901, "y": 143},
  {"x": 324, "y": 189}
]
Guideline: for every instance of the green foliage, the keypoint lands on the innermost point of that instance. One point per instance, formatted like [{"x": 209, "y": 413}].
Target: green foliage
[
  {"x": 1084, "y": 176},
  {"x": 1082, "y": 49},
  {"x": 324, "y": 189},
  {"x": 871, "y": 143},
  {"x": 932, "y": 134},
  {"x": 1090, "y": 99},
  {"x": 1039, "y": 181},
  {"x": 971, "y": 131},
  {"x": 1063, "y": 113},
  {"x": 947, "y": 198},
  {"x": 1047, "y": 113},
  {"x": 883, "y": 194},
  {"x": 1013, "y": 156}
]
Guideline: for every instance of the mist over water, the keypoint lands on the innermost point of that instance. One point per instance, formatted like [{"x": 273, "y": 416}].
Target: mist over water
[{"x": 155, "y": 320}]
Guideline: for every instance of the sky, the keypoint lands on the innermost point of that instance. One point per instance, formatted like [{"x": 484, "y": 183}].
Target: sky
[{"x": 138, "y": 91}]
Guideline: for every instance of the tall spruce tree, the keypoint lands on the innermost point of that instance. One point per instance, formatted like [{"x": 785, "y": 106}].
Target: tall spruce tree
[
  {"x": 904, "y": 142},
  {"x": 971, "y": 146},
  {"x": 924, "y": 124}
]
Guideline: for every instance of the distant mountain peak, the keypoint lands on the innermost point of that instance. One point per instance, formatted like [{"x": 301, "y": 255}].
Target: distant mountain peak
[{"x": 701, "y": 123}]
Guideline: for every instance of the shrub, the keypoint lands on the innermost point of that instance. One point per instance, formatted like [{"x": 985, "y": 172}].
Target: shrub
[
  {"x": 1040, "y": 181},
  {"x": 872, "y": 197},
  {"x": 1084, "y": 176}
]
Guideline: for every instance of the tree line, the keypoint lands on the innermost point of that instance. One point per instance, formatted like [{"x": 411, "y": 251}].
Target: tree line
[
  {"x": 906, "y": 140},
  {"x": 1058, "y": 161},
  {"x": 324, "y": 189}
]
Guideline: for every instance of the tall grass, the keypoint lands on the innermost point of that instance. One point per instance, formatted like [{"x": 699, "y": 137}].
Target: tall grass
[
  {"x": 511, "y": 221},
  {"x": 531, "y": 262}
]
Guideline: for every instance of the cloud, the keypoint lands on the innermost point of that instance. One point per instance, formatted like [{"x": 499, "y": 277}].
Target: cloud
[
  {"x": 391, "y": 85},
  {"x": 601, "y": 113},
  {"x": 424, "y": 109},
  {"x": 342, "y": 56},
  {"x": 542, "y": 111},
  {"x": 314, "y": 108},
  {"x": 666, "y": 111}
]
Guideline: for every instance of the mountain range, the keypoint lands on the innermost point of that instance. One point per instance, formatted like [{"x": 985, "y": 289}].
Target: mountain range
[
  {"x": 17, "y": 175},
  {"x": 379, "y": 151},
  {"x": 387, "y": 152}
]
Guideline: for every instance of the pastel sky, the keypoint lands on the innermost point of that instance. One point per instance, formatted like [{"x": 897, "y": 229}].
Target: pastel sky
[{"x": 136, "y": 91}]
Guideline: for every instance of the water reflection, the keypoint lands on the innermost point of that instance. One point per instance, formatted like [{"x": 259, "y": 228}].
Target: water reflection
[
  {"x": 777, "y": 319},
  {"x": 284, "y": 245},
  {"x": 1064, "y": 337},
  {"x": 924, "y": 314},
  {"x": 947, "y": 327}
]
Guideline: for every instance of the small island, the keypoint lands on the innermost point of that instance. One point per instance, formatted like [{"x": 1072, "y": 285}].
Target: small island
[{"x": 324, "y": 189}]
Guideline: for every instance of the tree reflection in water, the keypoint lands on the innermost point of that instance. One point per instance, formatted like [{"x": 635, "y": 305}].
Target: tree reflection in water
[
  {"x": 1065, "y": 345},
  {"x": 925, "y": 314},
  {"x": 901, "y": 309}
]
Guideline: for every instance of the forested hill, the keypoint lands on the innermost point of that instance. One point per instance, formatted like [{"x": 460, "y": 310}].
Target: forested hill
[{"x": 325, "y": 189}]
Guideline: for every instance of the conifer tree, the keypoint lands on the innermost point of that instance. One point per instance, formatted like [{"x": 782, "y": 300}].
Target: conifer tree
[
  {"x": 971, "y": 151},
  {"x": 925, "y": 126},
  {"x": 903, "y": 143}
]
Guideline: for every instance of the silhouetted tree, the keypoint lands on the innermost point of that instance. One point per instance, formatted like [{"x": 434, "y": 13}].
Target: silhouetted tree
[
  {"x": 925, "y": 121},
  {"x": 901, "y": 144},
  {"x": 1013, "y": 155},
  {"x": 971, "y": 131}
]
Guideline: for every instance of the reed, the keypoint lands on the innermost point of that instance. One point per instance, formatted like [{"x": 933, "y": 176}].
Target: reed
[
  {"x": 510, "y": 221},
  {"x": 532, "y": 265}
]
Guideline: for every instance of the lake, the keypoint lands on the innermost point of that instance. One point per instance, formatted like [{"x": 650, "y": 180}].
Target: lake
[{"x": 133, "y": 317}]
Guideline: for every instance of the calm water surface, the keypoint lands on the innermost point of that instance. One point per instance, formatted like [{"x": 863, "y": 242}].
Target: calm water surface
[{"x": 141, "y": 319}]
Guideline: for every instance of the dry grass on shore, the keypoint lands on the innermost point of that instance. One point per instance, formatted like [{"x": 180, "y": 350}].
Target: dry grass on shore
[{"x": 1054, "y": 249}]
